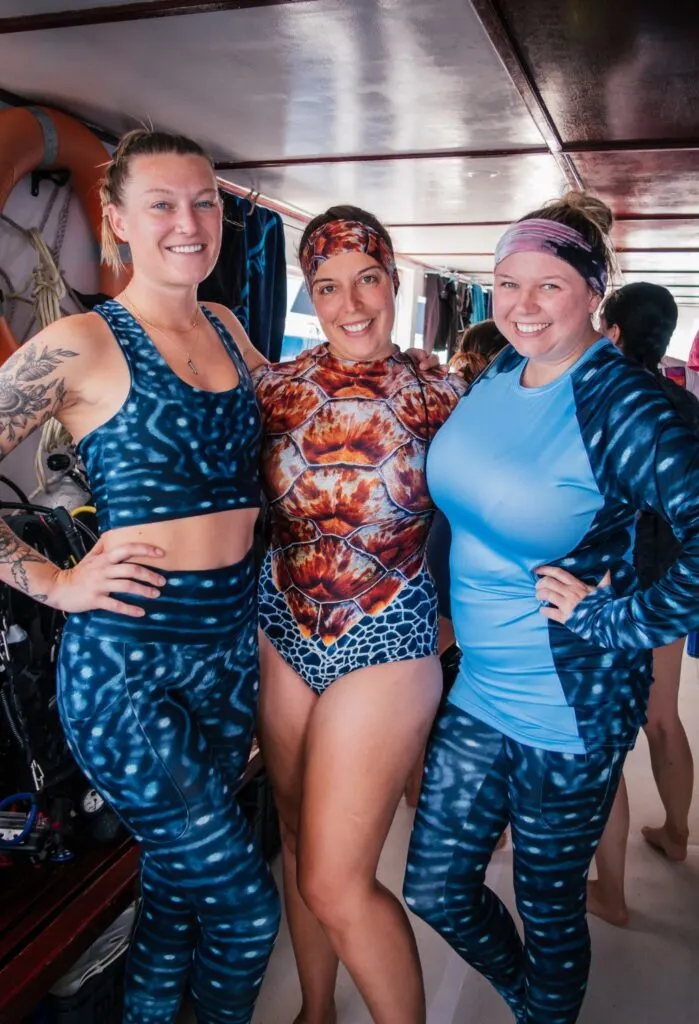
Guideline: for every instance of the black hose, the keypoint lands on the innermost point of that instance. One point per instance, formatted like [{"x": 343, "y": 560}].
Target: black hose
[
  {"x": 25, "y": 506},
  {"x": 86, "y": 529},
  {"x": 12, "y": 722},
  {"x": 14, "y": 487}
]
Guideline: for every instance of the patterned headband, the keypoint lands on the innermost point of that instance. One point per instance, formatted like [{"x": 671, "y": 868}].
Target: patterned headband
[
  {"x": 539, "y": 235},
  {"x": 340, "y": 236}
]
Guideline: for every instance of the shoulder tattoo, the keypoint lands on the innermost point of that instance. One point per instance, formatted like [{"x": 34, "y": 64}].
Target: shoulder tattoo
[{"x": 26, "y": 395}]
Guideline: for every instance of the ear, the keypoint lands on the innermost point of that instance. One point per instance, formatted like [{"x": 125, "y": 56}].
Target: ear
[
  {"x": 116, "y": 221},
  {"x": 614, "y": 333},
  {"x": 595, "y": 300}
]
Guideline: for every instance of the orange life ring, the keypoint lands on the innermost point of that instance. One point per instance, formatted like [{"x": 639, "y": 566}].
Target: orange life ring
[{"x": 32, "y": 137}]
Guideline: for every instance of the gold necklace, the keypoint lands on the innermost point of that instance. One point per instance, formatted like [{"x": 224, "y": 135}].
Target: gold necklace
[{"x": 178, "y": 330}]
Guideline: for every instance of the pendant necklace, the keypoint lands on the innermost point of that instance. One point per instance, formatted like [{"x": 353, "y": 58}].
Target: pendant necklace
[{"x": 164, "y": 331}]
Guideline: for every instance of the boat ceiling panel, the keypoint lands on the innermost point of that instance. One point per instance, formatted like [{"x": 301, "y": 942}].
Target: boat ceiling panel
[
  {"x": 680, "y": 260},
  {"x": 307, "y": 79},
  {"x": 387, "y": 104},
  {"x": 656, "y": 182},
  {"x": 622, "y": 70},
  {"x": 416, "y": 190}
]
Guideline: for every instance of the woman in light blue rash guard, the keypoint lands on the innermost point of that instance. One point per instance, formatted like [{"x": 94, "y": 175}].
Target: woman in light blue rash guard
[{"x": 541, "y": 470}]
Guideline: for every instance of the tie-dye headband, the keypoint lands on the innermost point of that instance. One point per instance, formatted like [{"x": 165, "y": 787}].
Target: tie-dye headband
[
  {"x": 549, "y": 236},
  {"x": 340, "y": 236}
]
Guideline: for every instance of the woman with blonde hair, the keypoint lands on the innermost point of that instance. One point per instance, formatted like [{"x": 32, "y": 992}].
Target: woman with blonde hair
[
  {"x": 555, "y": 633},
  {"x": 158, "y": 667}
]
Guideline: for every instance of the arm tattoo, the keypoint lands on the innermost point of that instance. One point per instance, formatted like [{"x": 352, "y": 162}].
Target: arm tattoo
[
  {"x": 27, "y": 399},
  {"x": 18, "y": 555},
  {"x": 24, "y": 399},
  {"x": 19, "y": 574}
]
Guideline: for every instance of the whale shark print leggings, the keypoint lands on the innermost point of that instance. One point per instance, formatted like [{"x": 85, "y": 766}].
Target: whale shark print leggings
[
  {"x": 476, "y": 781},
  {"x": 159, "y": 713}
]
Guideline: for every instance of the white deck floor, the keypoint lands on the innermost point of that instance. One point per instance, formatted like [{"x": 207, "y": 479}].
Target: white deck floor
[{"x": 646, "y": 974}]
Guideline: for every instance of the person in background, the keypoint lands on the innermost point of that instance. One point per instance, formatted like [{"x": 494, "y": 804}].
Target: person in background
[
  {"x": 478, "y": 346},
  {"x": 640, "y": 319}
]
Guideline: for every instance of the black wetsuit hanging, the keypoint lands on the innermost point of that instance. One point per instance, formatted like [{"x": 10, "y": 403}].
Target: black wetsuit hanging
[{"x": 250, "y": 274}]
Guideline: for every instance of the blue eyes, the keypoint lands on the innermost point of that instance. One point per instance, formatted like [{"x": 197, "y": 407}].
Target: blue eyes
[
  {"x": 547, "y": 286},
  {"x": 202, "y": 204}
]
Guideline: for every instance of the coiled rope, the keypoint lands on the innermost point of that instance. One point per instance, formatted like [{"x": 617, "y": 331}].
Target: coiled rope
[{"x": 48, "y": 288}]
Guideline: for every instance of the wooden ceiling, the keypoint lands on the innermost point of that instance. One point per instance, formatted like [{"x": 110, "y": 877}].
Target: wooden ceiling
[{"x": 446, "y": 118}]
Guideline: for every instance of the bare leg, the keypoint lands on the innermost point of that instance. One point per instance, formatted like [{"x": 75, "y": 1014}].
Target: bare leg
[
  {"x": 502, "y": 841},
  {"x": 605, "y": 896},
  {"x": 285, "y": 710},
  {"x": 412, "y": 789},
  {"x": 670, "y": 754},
  {"x": 365, "y": 733}
]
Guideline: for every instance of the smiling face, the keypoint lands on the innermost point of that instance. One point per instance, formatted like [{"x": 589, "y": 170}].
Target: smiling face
[
  {"x": 171, "y": 217},
  {"x": 543, "y": 307},
  {"x": 354, "y": 300}
]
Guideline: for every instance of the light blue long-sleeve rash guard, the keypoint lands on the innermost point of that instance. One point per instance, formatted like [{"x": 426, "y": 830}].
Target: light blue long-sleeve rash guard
[{"x": 554, "y": 475}]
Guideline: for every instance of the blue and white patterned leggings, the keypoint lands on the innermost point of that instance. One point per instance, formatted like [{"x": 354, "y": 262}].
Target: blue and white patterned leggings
[
  {"x": 476, "y": 781},
  {"x": 159, "y": 714}
]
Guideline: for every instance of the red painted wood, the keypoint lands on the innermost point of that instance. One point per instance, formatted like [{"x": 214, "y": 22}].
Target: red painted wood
[
  {"x": 30, "y": 973},
  {"x": 51, "y": 915},
  {"x": 38, "y": 894}
]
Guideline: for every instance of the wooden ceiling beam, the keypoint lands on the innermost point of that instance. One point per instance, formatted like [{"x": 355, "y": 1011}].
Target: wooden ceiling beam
[
  {"x": 678, "y": 249},
  {"x": 370, "y": 158},
  {"x": 626, "y": 146},
  {"x": 633, "y": 146},
  {"x": 622, "y": 218},
  {"x": 505, "y": 45},
  {"x": 114, "y": 13}
]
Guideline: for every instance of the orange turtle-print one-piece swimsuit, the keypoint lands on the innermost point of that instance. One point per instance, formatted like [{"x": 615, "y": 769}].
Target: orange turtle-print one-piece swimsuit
[{"x": 344, "y": 584}]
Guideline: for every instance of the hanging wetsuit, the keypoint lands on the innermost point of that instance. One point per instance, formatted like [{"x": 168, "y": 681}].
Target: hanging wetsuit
[
  {"x": 159, "y": 710},
  {"x": 250, "y": 274}
]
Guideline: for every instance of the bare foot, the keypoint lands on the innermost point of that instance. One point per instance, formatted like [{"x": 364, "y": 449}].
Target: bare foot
[
  {"x": 330, "y": 1019},
  {"x": 616, "y": 914},
  {"x": 674, "y": 847}
]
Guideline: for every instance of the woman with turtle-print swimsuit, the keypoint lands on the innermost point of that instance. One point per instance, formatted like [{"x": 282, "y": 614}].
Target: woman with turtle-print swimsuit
[{"x": 350, "y": 678}]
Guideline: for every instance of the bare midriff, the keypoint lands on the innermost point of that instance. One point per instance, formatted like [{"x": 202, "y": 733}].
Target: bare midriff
[{"x": 198, "y": 542}]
